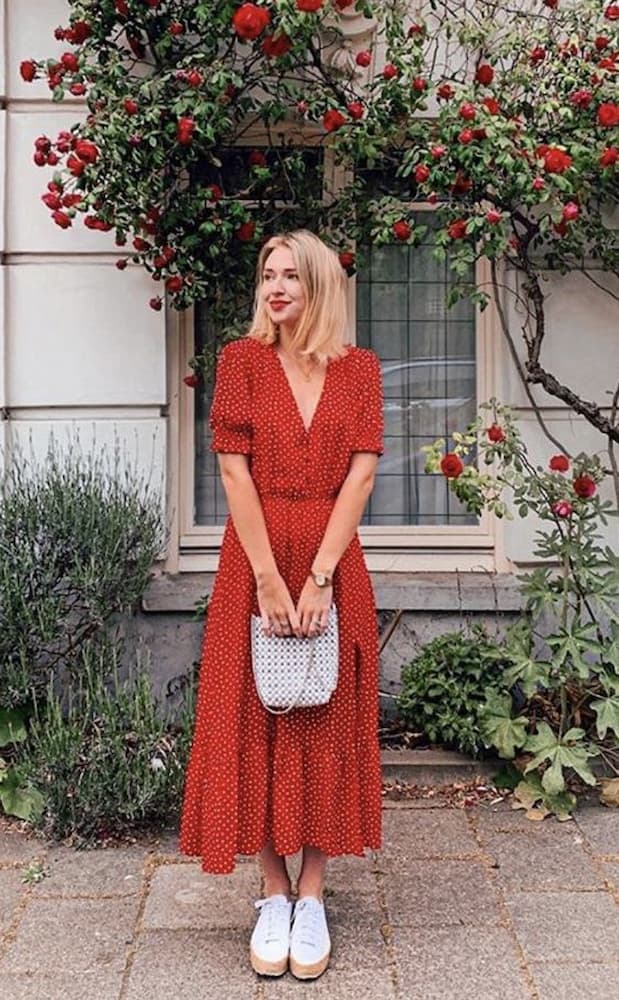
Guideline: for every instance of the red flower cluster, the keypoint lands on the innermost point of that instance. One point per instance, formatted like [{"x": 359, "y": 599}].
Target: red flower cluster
[
  {"x": 276, "y": 45},
  {"x": 185, "y": 127},
  {"x": 249, "y": 21},
  {"x": 495, "y": 433},
  {"x": 559, "y": 463},
  {"x": 556, "y": 160}
]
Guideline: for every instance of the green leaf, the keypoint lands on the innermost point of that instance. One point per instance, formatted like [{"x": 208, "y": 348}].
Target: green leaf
[
  {"x": 19, "y": 800},
  {"x": 12, "y": 728},
  {"x": 530, "y": 791},
  {"x": 498, "y": 726},
  {"x": 545, "y": 745},
  {"x": 607, "y": 710}
]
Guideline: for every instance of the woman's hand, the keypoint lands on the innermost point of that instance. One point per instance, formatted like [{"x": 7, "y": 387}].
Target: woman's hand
[
  {"x": 313, "y": 607},
  {"x": 279, "y": 616}
]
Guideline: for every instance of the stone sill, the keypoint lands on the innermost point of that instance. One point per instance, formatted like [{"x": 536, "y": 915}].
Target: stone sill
[{"x": 423, "y": 592}]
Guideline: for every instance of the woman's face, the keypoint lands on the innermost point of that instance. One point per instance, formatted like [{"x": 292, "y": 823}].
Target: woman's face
[{"x": 280, "y": 284}]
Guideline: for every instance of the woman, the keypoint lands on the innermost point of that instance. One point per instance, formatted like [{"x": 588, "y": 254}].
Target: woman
[{"x": 296, "y": 421}]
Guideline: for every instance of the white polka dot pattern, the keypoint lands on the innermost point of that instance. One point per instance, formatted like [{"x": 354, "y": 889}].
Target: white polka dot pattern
[{"x": 312, "y": 776}]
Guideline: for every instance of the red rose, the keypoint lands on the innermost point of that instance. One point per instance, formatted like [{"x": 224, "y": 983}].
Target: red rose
[
  {"x": 53, "y": 201},
  {"x": 451, "y": 465},
  {"x": 432, "y": 198},
  {"x": 422, "y": 173},
  {"x": 551, "y": 3},
  {"x": 175, "y": 283},
  {"x": 538, "y": 183},
  {"x": 457, "y": 229},
  {"x": 401, "y": 230},
  {"x": 78, "y": 32},
  {"x": 608, "y": 114},
  {"x": 467, "y": 111},
  {"x": 355, "y": 110},
  {"x": 276, "y": 45},
  {"x": 436, "y": 152},
  {"x": 538, "y": 54},
  {"x": 462, "y": 183},
  {"x": 562, "y": 508},
  {"x": 363, "y": 58},
  {"x": 556, "y": 160},
  {"x": 70, "y": 61},
  {"x": 416, "y": 29},
  {"x": 122, "y": 263},
  {"x": 612, "y": 12},
  {"x": 87, "y": 151},
  {"x": 216, "y": 192},
  {"x": 465, "y": 136},
  {"x": 75, "y": 166},
  {"x": 156, "y": 303},
  {"x": 194, "y": 78},
  {"x": 491, "y": 106},
  {"x": 333, "y": 120},
  {"x": 559, "y": 463},
  {"x": 484, "y": 74},
  {"x": 495, "y": 433},
  {"x": 176, "y": 28},
  {"x": 131, "y": 107},
  {"x": 40, "y": 158},
  {"x": 445, "y": 91},
  {"x": 584, "y": 486},
  {"x": 493, "y": 216},
  {"x": 185, "y": 128},
  {"x": 581, "y": 98},
  {"x": 343, "y": 4},
  {"x": 28, "y": 70},
  {"x": 419, "y": 84},
  {"x": 479, "y": 133},
  {"x": 140, "y": 244},
  {"x": 570, "y": 211},
  {"x": 601, "y": 43},
  {"x": 390, "y": 71},
  {"x": 610, "y": 62},
  {"x": 69, "y": 200},
  {"x": 62, "y": 219},
  {"x": 249, "y": 21},
  {"x": 122, "y": 8},
  {"x": 245, "y": 232},
  {"x": 257, "y": 158},
  {"x": 43, "y": 143},
  {"x": 347, "y": 259},
  {"x": 193, "y": 381},
  {"x": 609, "y": 156},
  {"x": 309, "y": 6},
  {"x": 77, "y": 89}
]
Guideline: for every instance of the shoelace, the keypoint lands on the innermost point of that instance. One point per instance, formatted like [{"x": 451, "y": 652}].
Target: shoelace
[
  {"x": 276, "y": 911},
  {"x": 311, "y": 927}
]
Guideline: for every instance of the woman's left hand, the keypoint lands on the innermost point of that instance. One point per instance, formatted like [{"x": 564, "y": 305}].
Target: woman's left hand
[{"x": 313, "y": 607}]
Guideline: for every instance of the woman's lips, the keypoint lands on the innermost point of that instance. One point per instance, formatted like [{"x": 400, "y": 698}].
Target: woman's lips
[{"x": 278, "y": 305}]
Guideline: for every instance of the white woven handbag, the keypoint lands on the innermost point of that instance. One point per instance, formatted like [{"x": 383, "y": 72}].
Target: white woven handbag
[{"x": 293, "y": 672}]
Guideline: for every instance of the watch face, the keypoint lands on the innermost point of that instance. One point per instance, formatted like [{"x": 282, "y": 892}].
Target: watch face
[{"x": 320, "y": 579}]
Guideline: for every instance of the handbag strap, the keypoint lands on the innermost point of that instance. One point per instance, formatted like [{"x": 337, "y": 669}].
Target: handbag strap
[{"x": 284, "y": 711}]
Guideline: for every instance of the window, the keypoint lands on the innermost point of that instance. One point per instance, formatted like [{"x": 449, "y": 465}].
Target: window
[{"x": 428, "y": 360}]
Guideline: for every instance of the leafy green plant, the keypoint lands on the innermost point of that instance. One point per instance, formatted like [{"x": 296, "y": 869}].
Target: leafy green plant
[
  {"x": 564, "y": 652},
  {"x": 445, "y": 687},
  {"x": 17, "y": 796},
  {"x": 110, "y": 761},
  {"x": 78, "y": 537}
]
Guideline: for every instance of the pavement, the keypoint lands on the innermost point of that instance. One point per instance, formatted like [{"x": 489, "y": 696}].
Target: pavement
[{"x": 460, "y": 903}]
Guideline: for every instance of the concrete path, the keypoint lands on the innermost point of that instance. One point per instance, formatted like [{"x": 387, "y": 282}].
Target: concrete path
[{"x": 460, "y": 904}]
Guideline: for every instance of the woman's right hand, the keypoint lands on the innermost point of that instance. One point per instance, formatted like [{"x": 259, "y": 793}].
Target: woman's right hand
[{"x": 279, "y": 616}]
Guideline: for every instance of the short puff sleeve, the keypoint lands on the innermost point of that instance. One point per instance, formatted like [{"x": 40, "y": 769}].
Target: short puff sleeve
[
  {"x": 230, "y": 417},
  {"x": 369, "y": 424}
]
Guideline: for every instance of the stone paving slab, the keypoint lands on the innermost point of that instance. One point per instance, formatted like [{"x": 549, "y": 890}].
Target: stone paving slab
[
  {"x": 441, "y": 892},
  {"x": 17, "y": 847},
  {"x": 600, "y": 827},
  {"x": 577, "y": 926},
  {"x": 459, "y": 963},
  {"x": 502, "y": 818},
  {"x": 101, "y": 985},
  {"x": 533, "y": 862},
  {"x": 12, "y": 891},
  {"x": 182, "y": 896},
  {"x": 117, "y": 871},
  {"x": 192, "y": 965},
  {"x": 561, "y": 981},
  {"x": 425, "y": 833},
  {"x": 75, "y": 936},
  {"x": 335, "y": 984}
]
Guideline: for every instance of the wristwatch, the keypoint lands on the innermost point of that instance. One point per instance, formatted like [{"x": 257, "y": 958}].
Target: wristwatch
[{"x": 321, "y": 579}]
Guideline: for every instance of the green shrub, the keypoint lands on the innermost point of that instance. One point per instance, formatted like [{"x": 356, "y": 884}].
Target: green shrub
[
  {"x": 110, "y": 761},
  {"x": 78, "y": 538},
  {"x": 445, "y": 687}
]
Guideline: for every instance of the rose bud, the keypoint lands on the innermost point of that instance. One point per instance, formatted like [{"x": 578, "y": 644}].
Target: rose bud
[
  {"x": 570, "y": 211},
  {"x": 193, "y": 381},
  {"x": 562, "y": 508},
  {"x": 53, "y": 201},
  {"x": 559, "y": 463},
  {"x": 484, "y": 74},
  {"x": 52, "y": 160},
  {"x": 609, "y": 156},
  {"x": 419, "y": 84},
  {"x": 465, "y": 136},
  {"x": 451, "y": 465},
  {"x": 495, "y": 433},
  {"x": 355, "y": 109},
  {"x": 62, "y": 219},
  {"x": 390, "y": 71},
  {"x": 401, "y": 230},
  {"x": 467, "y": 111},
  {"x": 493, "y": 216},
  {"x": 130, "y": 106},
  {"x": 584, "y": 486},
  {"x": 347, "y": 259},
  {"x": 437, "y": 151},
  {"x": 122, "y": 263},
  {"x": 422, "y": 173},
  {"x": 176, "y": 28},
  {"x": 70, "y": 61},
  {"x": 245, "y": 232},
  {"x": 78, "y": 89},
  {"x": 363, "y": 58},
  {"x": 40, "y": 158},
  {"x": 156, "y": 303},
  {"x": 445, "y": 91},
  {"x": 28, "y": 70},
  {"x": 194, "y": 78},
  {"x": 175, "y": 283}
]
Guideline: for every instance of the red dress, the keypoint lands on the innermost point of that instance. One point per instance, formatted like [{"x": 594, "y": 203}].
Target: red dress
[{"x": 312, "y": 776}]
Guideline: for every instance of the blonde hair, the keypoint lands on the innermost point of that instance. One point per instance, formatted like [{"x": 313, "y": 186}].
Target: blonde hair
[{"x": 323, "y": 329}]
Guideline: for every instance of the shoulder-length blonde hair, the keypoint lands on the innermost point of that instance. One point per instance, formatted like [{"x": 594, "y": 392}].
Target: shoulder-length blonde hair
[{"x": 323, "y": 329}]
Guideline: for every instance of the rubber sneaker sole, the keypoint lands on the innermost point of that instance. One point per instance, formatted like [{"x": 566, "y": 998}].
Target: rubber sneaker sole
[
  {"x": 309, "y": 971},
  {"x": 264, "y": 968}
]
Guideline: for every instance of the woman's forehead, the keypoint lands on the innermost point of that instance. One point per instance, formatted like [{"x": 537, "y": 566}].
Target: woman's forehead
[{"x": 280, "y": 257}]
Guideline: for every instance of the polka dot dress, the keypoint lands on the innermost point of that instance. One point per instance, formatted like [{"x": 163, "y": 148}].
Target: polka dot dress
[{"x": 312, "y": 776}]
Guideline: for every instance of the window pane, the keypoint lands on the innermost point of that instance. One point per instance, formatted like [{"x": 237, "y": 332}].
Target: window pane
[{"x": 428, "y": 362}]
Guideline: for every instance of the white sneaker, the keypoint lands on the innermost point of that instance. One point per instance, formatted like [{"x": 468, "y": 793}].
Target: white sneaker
[
  {"x": 270, "y": 940},
  {"x": 310, "y": 944}
]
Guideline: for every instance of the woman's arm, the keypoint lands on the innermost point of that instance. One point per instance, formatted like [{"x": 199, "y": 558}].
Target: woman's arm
[
  {"x": 314, "y": 601},
  {"x": 245, "y": 508}
]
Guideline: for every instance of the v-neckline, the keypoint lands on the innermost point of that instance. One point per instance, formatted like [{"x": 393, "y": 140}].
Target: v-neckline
[{"x": 293, "y": 398}]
